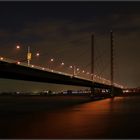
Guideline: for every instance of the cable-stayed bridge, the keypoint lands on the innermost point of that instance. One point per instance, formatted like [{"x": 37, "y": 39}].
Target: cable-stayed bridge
[
  {"x": 13, "y": 69},
  {"x": 10, "y": 69}
]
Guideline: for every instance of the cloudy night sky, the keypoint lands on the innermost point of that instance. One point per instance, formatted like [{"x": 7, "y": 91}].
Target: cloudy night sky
[{"x": 62, "y": 30}]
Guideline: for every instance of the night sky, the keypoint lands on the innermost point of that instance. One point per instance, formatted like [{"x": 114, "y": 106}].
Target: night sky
[{"x": 62, "y": 30}]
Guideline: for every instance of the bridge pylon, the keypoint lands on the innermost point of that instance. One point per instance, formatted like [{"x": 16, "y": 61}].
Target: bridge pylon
[
  {"x": 112, "y": 63},
  {"x": 92, "y": 65}
]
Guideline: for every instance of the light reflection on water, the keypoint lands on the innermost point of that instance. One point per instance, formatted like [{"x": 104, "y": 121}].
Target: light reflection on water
[{"x": 110, "y": 118}]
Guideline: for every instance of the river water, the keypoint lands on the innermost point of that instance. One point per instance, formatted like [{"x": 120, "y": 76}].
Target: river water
[{"x": 117, "y": 117}]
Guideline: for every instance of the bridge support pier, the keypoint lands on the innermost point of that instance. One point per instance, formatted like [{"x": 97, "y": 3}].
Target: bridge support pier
[{"x": 115, "y": 91}]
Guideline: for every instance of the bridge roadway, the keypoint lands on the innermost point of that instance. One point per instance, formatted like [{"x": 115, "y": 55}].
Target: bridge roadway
[{"x": 10, "y": 70}]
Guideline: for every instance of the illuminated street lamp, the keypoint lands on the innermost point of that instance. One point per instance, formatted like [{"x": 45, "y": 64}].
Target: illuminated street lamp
[
  {"x": 74, "y": 69},
  {"x": 51, "y": 63},
  {"x": 18, "y": 47},
  {"x": 52, "y": 60},
  {"x": 1, "y": 58},
  {"x": 62, "y": 63},
  {"x": 18, "y": 62},
  {"x": 37, "y": 54},
  {"x": 83, "y": 71},
  {"x": 29, "y": 55},
  {"x": 77, "y": 69}
]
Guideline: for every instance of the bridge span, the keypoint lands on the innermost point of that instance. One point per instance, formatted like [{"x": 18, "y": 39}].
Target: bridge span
[{"x": 12, "y": 70}]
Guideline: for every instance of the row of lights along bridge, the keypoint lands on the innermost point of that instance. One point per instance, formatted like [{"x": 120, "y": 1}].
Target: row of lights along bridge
[
  {"x": 75, "y": 69},
  {"x": 29, "y": 56}
]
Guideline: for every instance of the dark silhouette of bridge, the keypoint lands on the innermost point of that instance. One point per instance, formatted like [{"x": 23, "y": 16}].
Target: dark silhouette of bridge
[{"x": 11, "y": 70}]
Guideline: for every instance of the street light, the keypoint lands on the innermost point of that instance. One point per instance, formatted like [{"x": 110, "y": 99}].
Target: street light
[
  {"x": 29, "y": 55},
  {"x": 62, "y": 63},
  {"x": 37, "y": 54},
  {"x": 1, "y": 58},
  {"x": 83, "y": 71},
  {"x": 18, "y": 47},
  {"x": 18, "y": 62},
  {"x": 77, "y": 69},
  {"x": 52, "y": 60}
]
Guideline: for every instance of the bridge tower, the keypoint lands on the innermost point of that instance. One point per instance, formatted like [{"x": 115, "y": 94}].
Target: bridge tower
[
  {"x": 92, "y": 63},
  {"x": 111, "y": 62}
]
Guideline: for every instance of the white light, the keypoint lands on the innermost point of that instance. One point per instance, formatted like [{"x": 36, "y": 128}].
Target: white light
[
  {"x": 37, "y": 54},
  {"x": 52, "y": 60},
  {"x": 43, "y": 68},
  {"x": 62, "y": 63},
  {"x": 18, "y": 47},
  {"x": 51, "y": 70},
  {"x": 78, "y": 69},
  {"x": 32, "y": 66},
  {"x": 1, "y": 58},
  {"x": 18, "y": 62},
  {"x": 83, "y": 71},
  {"x": 71, "y": 67}
]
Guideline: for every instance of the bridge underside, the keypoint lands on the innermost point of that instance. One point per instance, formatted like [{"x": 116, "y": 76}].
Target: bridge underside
[{"x": 14, "y": 71}]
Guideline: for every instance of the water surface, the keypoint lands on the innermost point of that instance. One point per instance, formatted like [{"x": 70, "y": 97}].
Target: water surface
[{"x": 117, "y": 117}]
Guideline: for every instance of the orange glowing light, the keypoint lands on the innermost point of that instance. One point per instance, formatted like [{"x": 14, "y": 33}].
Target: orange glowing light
[{"x": 1, "y": 58}]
